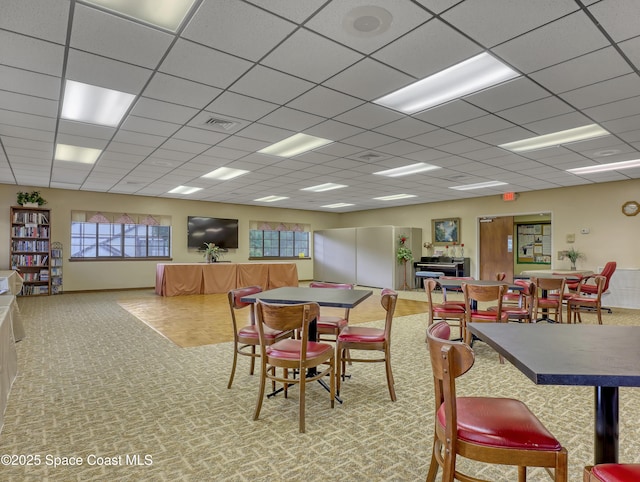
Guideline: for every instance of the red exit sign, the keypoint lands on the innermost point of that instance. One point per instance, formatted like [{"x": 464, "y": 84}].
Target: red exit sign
[{"x": 509, "y": 196}]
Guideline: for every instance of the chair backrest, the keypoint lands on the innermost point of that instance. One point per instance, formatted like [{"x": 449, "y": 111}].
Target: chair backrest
[
  {"x": 607, "y": 272},
  {"x": 236, "y": 303},
  {"x": 549, "y": 284},
  {"x": 449, "y": 360},
  {"x": 500, "y": 276},
  {"x": 388, "y": 300},
  {"x": 483, "y": 293},
  {"x": 286, "y": 317},
  {"x": 429, "y": 286}
]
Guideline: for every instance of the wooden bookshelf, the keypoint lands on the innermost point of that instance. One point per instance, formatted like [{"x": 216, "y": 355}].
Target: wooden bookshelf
[{"x": 30, "y": 249}]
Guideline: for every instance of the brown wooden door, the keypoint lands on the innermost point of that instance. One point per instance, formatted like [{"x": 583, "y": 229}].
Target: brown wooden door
[{"x": 496, "y": 247}]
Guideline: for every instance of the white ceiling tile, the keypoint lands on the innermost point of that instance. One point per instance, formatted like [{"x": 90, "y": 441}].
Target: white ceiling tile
[
  {"x": 241, "y": 106},
  {"x": 324, "y": 102},
  {"x": 559, "y": 41},
  {"x": 292, "y": 9},
  {"x": 30, "y": 53},
  {"x": 102, "y": 72},
  {"x": 432, "y": 47},
  {"x": 202, "y": 64},
  {"x": 368, "y": 79},
  {"x": 632, "y": 49},
  {"x": 584, "y": 70},
  {"x": 291, "y": 119},
  {"x": 39, "y": 18},
  {"x": 369, "y": 116},
  {"x": 270, "y": 85},
  {"x": 180, "y": 91},
  {"x": 111, "y": 36},
  {"x": 310, "y": 56},
  {"x": 509, "y": 94},
  {"x": 604, "y": 92},
  {"x": 165, "y": 111},
  {"x": 618, "y": 17},
  {"x": 533, "y": 111}
]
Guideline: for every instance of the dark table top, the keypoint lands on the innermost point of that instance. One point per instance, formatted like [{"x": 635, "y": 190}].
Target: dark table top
[
  {"x": 333, "y": 297},
  {"x": 568, "y": 354},
  {"x": 457, "y": 283}
]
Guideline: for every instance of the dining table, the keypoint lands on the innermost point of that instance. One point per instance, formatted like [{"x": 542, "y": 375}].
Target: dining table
[
  {"x": 603, "y": 356},
  {"x": 330, "y": 297}
]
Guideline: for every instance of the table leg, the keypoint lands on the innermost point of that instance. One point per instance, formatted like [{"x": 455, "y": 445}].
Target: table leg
[{"x": 606, "y": 429}]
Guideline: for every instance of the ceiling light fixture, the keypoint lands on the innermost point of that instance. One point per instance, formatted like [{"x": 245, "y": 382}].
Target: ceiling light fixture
[
  {"x": 394, "y": 197},
  {"x": 612, "y": 166},
  {"x": 167, "y": 14},
  {"x": 294, "y": 145},
  {"x": 185, "y": 190},
  {"x": 479, "y": 185},
  {"x": 84, "y": 155},
  {"x": 337, "y": 205},
  {"x": 329, "y": 186},
  {"x": 225, "y": 173},
  {"x": 411, "y": 169},
  {"x": 270, "y": 199},
  {"x": 94, "y": 105},
  {"x": 577, "y": 134},
  {"x": 472, "y": 75}
]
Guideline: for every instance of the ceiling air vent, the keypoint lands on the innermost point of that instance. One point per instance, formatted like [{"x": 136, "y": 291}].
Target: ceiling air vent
[
  {"x": 371, "y": 156},
  {"x": 222, "y": 124}
]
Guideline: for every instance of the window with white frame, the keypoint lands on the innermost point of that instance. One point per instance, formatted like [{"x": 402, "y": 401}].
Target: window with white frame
[
  {"x": 278, "y": 240},
  {"x": 96, "y": 235}
]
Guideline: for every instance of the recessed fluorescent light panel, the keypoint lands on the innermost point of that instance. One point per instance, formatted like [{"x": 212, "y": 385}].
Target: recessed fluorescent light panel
[
  {"x": 167, "y": 14},
  {"x": 271, "y": 199},
  {"x": 329, "y": 186},
  {"x": 84, "y": 155},
  {"x": 225, "y": 173},
  {"x": 472, "y": 75},
  {"x": 337, "y": 205},
  {"x": 612, "y": 166},
  {"x": 393, "y": 197},
  {"x": 479, "y": 185},
  {"x": 411, "y": 169},
  {"x": 94, "y": 105},
  {"x": 294, "y": 145},
  {"x": 577, "y": 134},
  {"x": 185, "y": 190}
]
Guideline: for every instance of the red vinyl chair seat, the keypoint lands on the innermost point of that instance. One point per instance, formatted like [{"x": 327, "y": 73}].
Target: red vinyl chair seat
[
  {"x": 362, "y": 334},
  {"x": 448, "y": 308},
  {"x": 329, "y": 324},
  {"x": 616, "y": 472},
  {"x": 290, "y": 348},
  {"x": 500, "y": 422},
  {"x": 487, "y": 315}
]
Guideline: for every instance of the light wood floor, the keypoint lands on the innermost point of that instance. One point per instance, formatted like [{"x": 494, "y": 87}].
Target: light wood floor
[{"x": 196, "y": 320}]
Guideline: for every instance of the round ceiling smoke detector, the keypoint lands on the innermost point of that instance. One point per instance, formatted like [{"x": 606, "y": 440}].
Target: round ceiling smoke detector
[
  {"x": 606, "y": 153},
  {"x": 367, "y": 21}
]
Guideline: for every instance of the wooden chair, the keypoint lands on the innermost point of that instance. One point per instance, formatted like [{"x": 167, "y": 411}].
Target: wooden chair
[
  {"x": 246, "y": 338},
  {"x": 445, "y": 310},
  {"x": 492, "y": 430},
  {"x": 474, "y": 294},
  {"x": 454, "y": 290},
  {"x": 580, "y": 303},
  {"x": 330, "y": 326},
  {"x": 293, "y": 355},
  {"x": 523, "y": 310},
  {"x": 548, "y": 297},
  {"x": 612, "y": 473},
  {"x": 353, "y": 338}
]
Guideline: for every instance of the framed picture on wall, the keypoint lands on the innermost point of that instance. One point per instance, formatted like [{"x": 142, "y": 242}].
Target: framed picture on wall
[{"x": 445, "y": 231}]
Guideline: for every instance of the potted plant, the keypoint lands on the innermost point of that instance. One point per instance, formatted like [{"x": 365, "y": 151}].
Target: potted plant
[
  {"x": 212, "y": 252},
  {"x": 404, "y": 255},
  {"x": 30, "y": 199},
  {"x": 573, "y": 255}
]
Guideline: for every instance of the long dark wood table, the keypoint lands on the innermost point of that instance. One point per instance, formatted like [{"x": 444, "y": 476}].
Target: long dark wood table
[
  {"x": 330, "y": 297},
  {"x": 605, "y": 357},
  {"x": 335, "y": 298}
]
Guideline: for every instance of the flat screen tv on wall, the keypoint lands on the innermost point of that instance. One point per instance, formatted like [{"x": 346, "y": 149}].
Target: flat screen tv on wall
[{"x": 222, "y": 232}]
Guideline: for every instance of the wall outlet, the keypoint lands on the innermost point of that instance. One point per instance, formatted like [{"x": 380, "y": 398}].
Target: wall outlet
[{"x": 585, "y": 231}]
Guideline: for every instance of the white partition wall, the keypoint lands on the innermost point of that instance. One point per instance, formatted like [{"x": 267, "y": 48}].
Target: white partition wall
[
  {"x": 334, "y": 255},
  {"x": 365, "y": 256}
]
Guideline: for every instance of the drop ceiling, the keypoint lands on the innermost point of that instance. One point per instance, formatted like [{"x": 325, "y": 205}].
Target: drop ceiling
[{"x": 264, "y": 70}]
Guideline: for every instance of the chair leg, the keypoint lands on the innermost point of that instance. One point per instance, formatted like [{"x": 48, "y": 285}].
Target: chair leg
[
  {"x": 390, "y": 381},
  {"x": 263, "y": 379},
  {"x": 233, "y": 365},
  {"x": 522, "y": 474},
  {"x": 433, "y": 465},
  {"x": 332, "y": 382},
  {"x": 253, "y": 360},
  {"x": 302, "y": 387}
]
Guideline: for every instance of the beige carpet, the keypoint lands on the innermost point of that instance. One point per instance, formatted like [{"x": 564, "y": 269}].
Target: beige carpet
[{"x": 96, "y": 381}]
